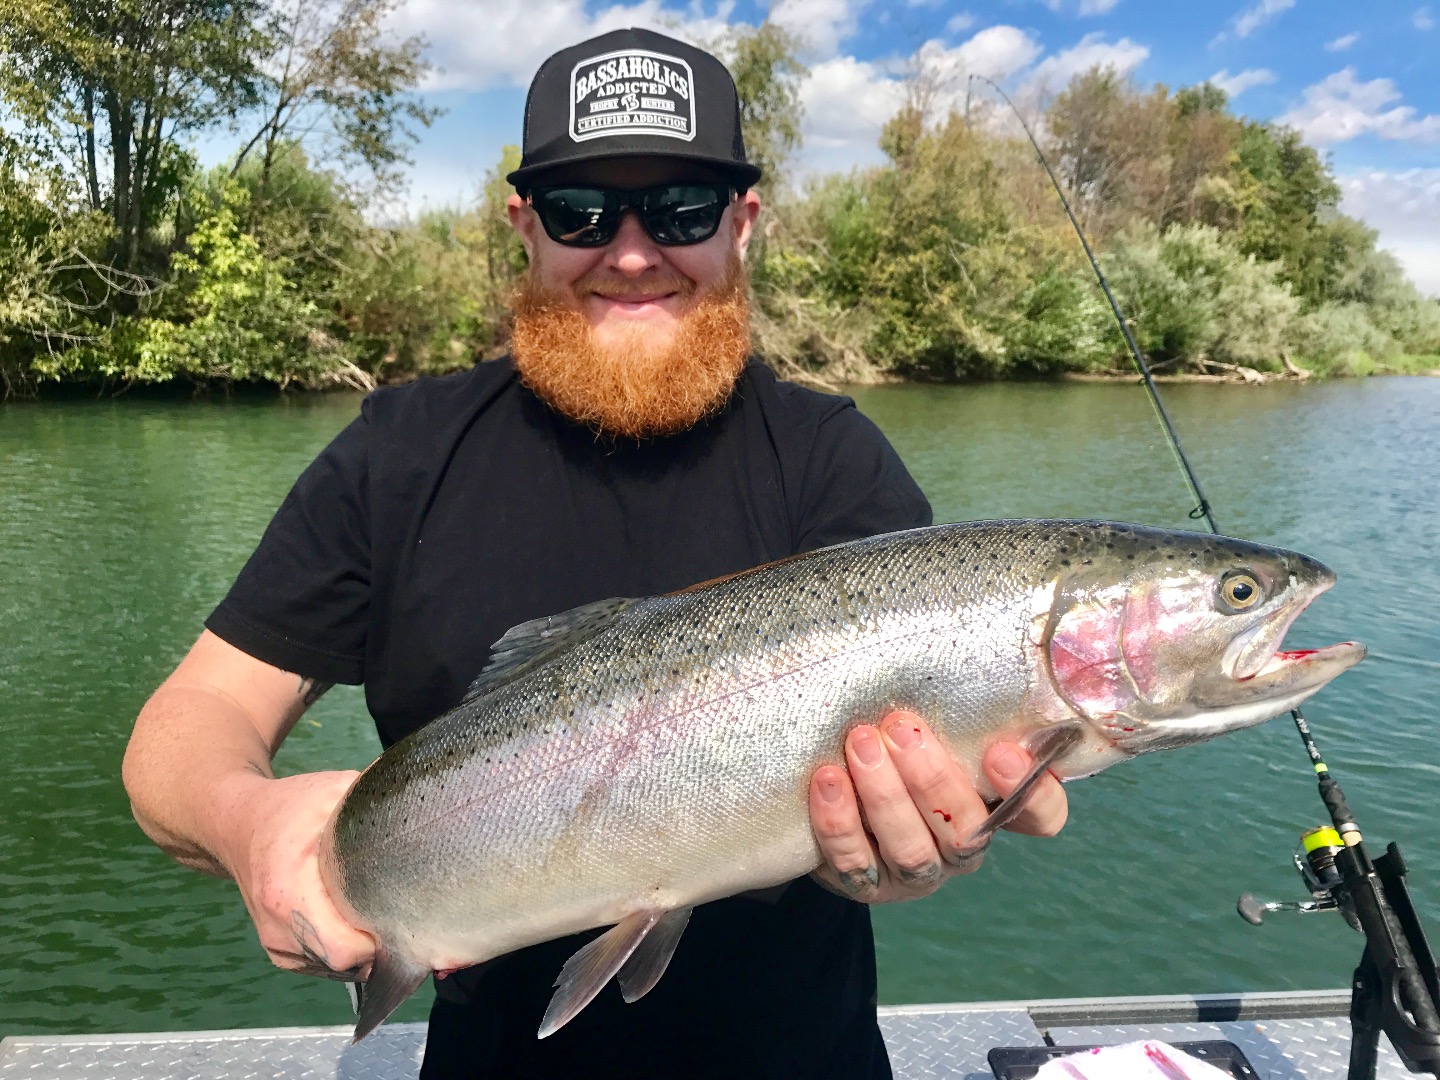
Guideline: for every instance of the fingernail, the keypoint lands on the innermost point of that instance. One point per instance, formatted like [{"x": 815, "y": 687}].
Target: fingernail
[
  {"x": 866, "y": 746},
  {"x": 830, "y": 791},
  {"x": 1008, "y": 763},
  {"x": 905, "y": 734}
]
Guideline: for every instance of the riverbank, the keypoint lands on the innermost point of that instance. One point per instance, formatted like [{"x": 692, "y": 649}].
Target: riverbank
[{"x": 833, "y": 381}]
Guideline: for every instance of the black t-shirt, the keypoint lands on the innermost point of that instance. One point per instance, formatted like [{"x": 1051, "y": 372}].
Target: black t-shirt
[{"x": 455, "y": 508}]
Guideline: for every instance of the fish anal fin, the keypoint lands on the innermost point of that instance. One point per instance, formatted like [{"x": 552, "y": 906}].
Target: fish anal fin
[
  {"x": 530, "y": 644},
  {"x": 1047, "y": 745},
  {"x": 393, "y": 978},
  {"x": 586, "y": 973},
  {"x": 639, "y": 974}
]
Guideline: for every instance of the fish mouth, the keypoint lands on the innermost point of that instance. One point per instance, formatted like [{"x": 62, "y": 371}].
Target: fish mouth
[
  {"x": 1255, "y": 654},
  {"x": 1255, "y": 664},
  {"x": 1332, "y": 659}
]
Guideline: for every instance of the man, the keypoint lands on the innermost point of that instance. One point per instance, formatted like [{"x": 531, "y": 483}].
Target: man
[{"x": 628, "y": 447}]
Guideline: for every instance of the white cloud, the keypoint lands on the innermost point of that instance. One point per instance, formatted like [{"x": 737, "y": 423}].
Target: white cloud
[
  {"x": 844, "y": 97},
  {"x": 923, "y": 3},
  {"x": 1423, "y": 20},
  {"x": 485, "y": 43},
  {"x": 1340, "y": 107},
  {"x": 1340, "y": 44},
  {"x": 1404, "y": 208},
  {"x": 1054, "y": 72},
  {"x": 820, "y": 24},
  {"x": 1085, "y": 7},
  {"x": 1235, "y": 85},
  {"x": 959, "y": 22},
  {"x": 847, "y": 101},
  {"x": 1252, "y": 19},
  {"x": 997, "y": 52}
]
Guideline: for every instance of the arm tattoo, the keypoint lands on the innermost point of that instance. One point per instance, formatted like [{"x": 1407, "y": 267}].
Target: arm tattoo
[
  {"x": 312, "y": 690},
  {"x": 315, "y": 958}
]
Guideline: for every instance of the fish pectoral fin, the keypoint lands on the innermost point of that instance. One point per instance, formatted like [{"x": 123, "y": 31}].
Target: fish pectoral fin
[
  {"x": 651, "y": 957},
  {"x": 586, "y": 973},
  {"x": 393, "y": 978},
  {"x": 1048, "y": 746}
]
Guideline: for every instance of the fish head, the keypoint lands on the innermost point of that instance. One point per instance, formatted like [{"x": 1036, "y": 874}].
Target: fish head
[{"x": 1161, "y": 639}]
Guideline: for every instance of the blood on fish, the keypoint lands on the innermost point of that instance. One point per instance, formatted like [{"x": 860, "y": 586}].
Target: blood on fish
[{"x": 942, "y": 813}]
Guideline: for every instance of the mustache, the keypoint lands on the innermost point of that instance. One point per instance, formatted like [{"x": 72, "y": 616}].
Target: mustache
[{"x": 596, "y": 284}]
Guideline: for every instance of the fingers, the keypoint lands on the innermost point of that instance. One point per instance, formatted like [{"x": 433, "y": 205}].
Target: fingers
[
  {"x": 938, "y": 790},
  {"x": 851, "y": 863},
  {"x": 898, "y": 823},
  {"x": 1046, "y": 806}
]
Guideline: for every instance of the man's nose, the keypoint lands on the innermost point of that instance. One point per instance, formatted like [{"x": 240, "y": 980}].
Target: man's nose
[{"x": 632, "y": 252}]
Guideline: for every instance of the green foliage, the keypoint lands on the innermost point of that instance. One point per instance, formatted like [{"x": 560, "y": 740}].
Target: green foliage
[
  {"x": 432, "y": 295},
  {"x": 767, "y": 77},
  {"x": 1191, "y": 294},
  {"x": 120, "y": 261},
  {"x": 134, "y": 78},
  {"x": 339, "y": 80},
  {"x": 1287, "y": 196},
  {"x": 231, "y": 314}
]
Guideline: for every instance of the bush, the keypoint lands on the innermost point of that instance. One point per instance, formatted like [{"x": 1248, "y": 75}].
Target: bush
[
  {"x": 1194, "y": 296},
  {"x": 230, "y": 313}
]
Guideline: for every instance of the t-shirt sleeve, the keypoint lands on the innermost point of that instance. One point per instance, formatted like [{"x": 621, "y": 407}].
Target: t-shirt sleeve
[
  {"x": 855, "y": 484},
  {"x": 302, "y": 601}
]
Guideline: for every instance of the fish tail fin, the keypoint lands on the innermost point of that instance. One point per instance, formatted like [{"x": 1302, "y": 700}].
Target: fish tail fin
[{"x": 393, "y": 978}]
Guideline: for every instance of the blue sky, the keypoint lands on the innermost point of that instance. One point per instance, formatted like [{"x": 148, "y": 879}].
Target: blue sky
[{"x": 1361, "y": 81}]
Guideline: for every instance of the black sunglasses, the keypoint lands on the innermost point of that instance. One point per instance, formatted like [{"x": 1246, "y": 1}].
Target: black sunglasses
[{"x": 672, "y": 214}]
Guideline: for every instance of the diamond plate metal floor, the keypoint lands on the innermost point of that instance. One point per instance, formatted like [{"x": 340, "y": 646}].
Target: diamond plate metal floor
[{"x": 927, "y": 1042}]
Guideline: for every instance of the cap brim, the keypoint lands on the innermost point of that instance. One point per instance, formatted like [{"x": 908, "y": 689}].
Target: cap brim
[{"x": 741, "y": 173}]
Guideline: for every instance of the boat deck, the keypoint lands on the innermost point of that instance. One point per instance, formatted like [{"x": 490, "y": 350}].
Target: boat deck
[{"x": 1286, "y": 1036}]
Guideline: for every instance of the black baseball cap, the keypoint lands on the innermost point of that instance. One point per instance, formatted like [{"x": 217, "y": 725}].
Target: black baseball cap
[{"x": 633, "y": 93}]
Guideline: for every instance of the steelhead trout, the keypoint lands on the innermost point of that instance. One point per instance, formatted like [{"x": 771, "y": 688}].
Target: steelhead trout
[{"x": 617, "y": 764}]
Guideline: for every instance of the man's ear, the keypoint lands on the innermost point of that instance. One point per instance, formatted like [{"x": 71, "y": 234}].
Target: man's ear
[
  {"x": 743, "y": 212},
  {"x": 524, "y": 222}
]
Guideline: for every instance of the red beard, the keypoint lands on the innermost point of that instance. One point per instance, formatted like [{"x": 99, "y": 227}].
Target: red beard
[{"x": 632, "y": 389}]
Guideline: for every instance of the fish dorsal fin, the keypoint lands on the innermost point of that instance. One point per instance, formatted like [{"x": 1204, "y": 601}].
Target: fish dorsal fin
[{"x": 525, "y": 647}]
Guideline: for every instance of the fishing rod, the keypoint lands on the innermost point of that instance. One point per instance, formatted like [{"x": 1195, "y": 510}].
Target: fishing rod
[{"x": 1395, "y": 986}]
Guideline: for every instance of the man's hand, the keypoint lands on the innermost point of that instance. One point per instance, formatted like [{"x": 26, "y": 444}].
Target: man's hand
[
  {"x": 275, "y": 864},
  {"x": 920, "y": 807}
]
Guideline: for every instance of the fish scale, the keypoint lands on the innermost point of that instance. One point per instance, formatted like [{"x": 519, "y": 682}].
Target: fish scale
[{"x": 643, "y": 756}]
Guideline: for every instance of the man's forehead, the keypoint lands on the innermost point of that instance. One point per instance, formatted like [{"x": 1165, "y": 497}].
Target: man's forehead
[{"x": 629, "y": 172}]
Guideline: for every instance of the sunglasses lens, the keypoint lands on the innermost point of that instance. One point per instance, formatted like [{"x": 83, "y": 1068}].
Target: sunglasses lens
[
  {"x": 683, "y": 213},
  {"x": 581, "y": 217}
]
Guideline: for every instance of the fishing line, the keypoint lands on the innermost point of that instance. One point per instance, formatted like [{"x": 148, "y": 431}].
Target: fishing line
[
  {"x": 1395, "y": 988},
  {"x": 1202, "y": 505},
  {"x": 1329, "y": 788}
]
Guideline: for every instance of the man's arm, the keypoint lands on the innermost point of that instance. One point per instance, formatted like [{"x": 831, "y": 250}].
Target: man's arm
[{"x": 197, "y": 770}]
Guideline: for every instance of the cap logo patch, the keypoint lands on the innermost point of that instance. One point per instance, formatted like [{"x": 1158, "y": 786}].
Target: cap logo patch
[{"x": 632, "y": 92}]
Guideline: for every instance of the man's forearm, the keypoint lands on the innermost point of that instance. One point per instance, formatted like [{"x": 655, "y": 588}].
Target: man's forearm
[{"x": 194, "y": 762}]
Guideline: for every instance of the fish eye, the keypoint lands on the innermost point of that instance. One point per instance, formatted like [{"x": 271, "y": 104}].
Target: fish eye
[{"x": 1239, "y": 591}]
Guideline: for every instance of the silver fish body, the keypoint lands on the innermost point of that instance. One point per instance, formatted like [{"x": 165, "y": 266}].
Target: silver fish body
[{"x": 645, "y": 756}]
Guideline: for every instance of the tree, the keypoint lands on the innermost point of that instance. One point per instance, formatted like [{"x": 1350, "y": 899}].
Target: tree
[
  {"x": 767, "y": 80},
  {"x": 1288, "y": 195},
  {"x": 117, "y": 85},
  {"x": 339, "y": 81}
]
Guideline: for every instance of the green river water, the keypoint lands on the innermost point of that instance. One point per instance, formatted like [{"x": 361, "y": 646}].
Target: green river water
[{"x": 123, "y": 521}]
